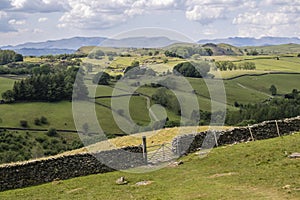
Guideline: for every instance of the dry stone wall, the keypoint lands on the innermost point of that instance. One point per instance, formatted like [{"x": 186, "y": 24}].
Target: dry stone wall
[
  {"x": 269, "y": 129},
  {"x": 36, "y": 172}
]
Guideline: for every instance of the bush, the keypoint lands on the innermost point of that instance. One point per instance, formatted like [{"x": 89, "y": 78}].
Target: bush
[
  {"x": 37, "y": 121},
  {"x": 24, "y": 123},
  {"x": 44, "y": 120},
  {"x": 52, "y": 132}
]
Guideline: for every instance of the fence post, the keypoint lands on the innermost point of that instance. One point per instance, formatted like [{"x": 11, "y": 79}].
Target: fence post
[
  {"x": 251, "y": 132},
  {"x": 216, "y": 141},
  {"x": 145, "y": 150},
  {"x": 277, "y": 128}
]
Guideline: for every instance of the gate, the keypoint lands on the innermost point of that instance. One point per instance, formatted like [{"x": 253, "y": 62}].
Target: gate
[{"x": 160, "y": 153}]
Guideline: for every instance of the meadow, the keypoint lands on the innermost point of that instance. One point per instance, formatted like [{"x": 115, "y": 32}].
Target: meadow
[{"x": 262, "y": 171}]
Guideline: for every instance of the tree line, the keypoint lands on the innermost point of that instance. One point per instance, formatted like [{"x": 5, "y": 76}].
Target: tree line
[
  {"x": 228, "y": 65},
  {"x": 8, "y": 56},
  {"x": 276, "y": 108},
  {"x": 53, "y": 86}
]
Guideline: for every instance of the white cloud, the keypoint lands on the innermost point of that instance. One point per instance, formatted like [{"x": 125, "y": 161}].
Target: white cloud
[
  {"x": 16, "y": 22},
  {"x": 42, "y": 6},
  {"x": 37, "y": 30},
  {"x": 261, "y": 18},
  {"x": 205, "y": 14},
  {"x": 43, "y": 19},
  {"x": 104, "y": 14}
]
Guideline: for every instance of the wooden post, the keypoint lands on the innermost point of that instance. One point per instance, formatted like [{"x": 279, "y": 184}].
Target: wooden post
[
  {"x": 251, "y": 132},
  {"x": 277, "y": 128},
  {"x": 145, "y": 150},
  {"x": 178, "y": 147},
  {"x": 214, "y": 132}
]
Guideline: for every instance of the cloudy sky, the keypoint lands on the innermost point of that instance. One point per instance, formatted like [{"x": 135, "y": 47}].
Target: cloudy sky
[{"x": 39, "y": 20}]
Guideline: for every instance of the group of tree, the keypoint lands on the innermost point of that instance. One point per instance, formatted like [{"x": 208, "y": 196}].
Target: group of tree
[
  {"x": 54, "y": 86},
  {"x": 228, "y": 65},
  {"x": 96, "y": 54},
  {"x": 192, "y": 69},
  {"x": 252, "y": 52},
  {"x": 64, "y": 56},
  {"x": 276, "y": 108},
  {"x": 8, "y": 56},
  {"x": 188, "y": 52},
  {"x": 19, "y": 146},
  {"x": 172, "y": 54},
  {"x": 167, "y": 99}
]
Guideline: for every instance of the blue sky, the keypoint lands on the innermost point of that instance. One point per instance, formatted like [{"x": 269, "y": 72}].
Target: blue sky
[{"x": 39, "y": 20}]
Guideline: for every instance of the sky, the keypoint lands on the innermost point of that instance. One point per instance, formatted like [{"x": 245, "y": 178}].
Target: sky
[{"x": 40, "y": 20}]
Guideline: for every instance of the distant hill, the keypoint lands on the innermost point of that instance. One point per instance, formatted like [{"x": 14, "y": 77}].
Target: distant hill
[
  {"x": 247, "y": 41},
  {"x": 276, "y": 49},
  {"x": 72, "y": 44},
  {"x": 188, "y": 49}
]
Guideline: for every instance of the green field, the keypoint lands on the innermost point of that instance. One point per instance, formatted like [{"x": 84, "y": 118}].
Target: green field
[
  {"x": 5, "y": 84},
  {"x": 242, "y": 90},
  {"x": 256, "y": 170}
]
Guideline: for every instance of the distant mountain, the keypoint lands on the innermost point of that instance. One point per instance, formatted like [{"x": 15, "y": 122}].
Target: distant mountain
[
  {"x": 247, "y": 41},
  {"x": 72, "y": 44}
]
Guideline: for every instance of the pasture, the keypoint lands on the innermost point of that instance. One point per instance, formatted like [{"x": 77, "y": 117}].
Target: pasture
[{"x": 256, "y": 170}]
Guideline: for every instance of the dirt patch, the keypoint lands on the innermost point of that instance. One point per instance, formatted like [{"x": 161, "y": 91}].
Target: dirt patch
[{"x": 224, "y": 174}]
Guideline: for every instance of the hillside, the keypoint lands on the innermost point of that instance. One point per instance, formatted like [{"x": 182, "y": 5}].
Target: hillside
[
  {"x": 249, "y": 41},
  {"x": 256, "y": 170}
]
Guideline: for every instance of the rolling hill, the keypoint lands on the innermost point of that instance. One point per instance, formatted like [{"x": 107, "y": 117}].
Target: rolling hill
[{"x": 247, "y": 41}]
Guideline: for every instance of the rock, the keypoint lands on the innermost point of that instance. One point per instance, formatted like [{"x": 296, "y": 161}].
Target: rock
[
  {"x": 142, "y": 183},
  {"x": 121, "y": 181},
  {"x": 175, "y": 164},
  {"x": 294, "y": 155},
  {"x": 286, "y": 187}
]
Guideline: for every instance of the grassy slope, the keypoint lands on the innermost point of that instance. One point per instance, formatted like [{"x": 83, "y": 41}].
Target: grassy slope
[
  {"x": 5, "y": 84},
  {"x": 256, "y": 170}
]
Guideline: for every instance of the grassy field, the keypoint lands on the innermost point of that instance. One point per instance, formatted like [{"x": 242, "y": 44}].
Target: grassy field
[
  {"x": 256, "y": 170},
  {"x": 242, "y": 90},
  {"x": 5, "y": 84}
]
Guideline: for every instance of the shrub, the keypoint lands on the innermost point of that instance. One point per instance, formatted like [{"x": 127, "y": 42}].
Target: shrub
[
  {"x": 37, "y": 121},
  {"x": 24, "y": 123},
  {"x": 52, "y": 132},
  {"x": 44, "y": 120}
]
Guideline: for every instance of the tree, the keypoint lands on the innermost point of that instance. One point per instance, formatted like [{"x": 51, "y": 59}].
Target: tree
[
  {"x": 18, "y": 58},
  {"x": 51, "y": 132},
  {"x": 273, "y": 90},
  {"x": 24, "y": 123},
  {"x": 101, "y": 78},
  {"x": 192, "y": 69},
  {"x": 209, "y": 51},
  {"x": 37, "y": 121},
  {"x": 44, "y": 120},
  {"x": 135, "y": 63},
  {"x": 8, "y": 96}
]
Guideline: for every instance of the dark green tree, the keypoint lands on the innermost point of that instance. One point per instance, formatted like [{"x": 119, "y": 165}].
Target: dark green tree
[{"x": 273, "y": 90}]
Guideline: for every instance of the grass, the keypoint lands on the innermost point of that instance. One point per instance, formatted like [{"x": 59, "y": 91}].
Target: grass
[
  {"x": 5, "y": 84},
  {"x": 243, "y": 90},
  {"x": 256, "y": 170}
]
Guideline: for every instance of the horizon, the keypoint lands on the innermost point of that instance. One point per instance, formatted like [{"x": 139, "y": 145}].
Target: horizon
[{"x": 197, "y": 41}]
